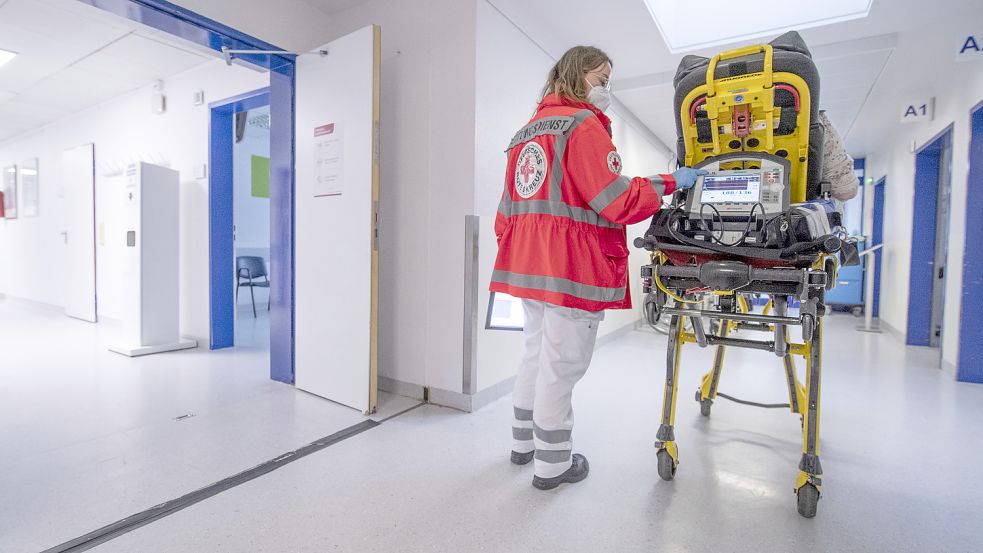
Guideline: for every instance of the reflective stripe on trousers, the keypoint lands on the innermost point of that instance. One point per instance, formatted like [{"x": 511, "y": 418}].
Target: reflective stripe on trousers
[{"x": 559, "y": 344}]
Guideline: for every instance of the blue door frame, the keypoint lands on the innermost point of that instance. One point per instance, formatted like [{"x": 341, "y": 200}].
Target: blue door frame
[
  {"x": 876, "y": 238},
  {"x": 969, "y": 365},
  {"x": 221, "y": 247},
  {"x": 188, "y": 25},
  {"x": 922, "y": 273}
]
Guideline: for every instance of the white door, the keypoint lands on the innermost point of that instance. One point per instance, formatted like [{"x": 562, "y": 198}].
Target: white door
[
  {"x": 337, "y": 187},
  {"x": 79, "y": 181}
]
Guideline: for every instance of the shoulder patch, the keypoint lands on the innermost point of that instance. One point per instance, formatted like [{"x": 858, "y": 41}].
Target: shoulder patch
[
  {"x": 556, "y": 125},
  {"x": 530, "y": 170},
  {"x": 614, "y": 162}
]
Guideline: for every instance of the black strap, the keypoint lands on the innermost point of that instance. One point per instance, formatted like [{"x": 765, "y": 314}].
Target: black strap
[
  {"x": 787, "y": 121},
  {"x": 704, "y": 131}
]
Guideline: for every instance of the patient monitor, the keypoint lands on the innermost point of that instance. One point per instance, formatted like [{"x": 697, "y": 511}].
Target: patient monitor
[{"x": 730, "y": 205}]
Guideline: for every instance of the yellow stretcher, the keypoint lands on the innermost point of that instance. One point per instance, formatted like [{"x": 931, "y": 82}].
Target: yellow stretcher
[{"x": 754, "y": 102}]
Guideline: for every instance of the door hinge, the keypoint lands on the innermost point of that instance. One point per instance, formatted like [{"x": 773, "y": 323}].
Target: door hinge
[
  {"x": 375, "y": 226},
  {"x": 938, "y": 332},
  {"x": 941, "y": 272}
]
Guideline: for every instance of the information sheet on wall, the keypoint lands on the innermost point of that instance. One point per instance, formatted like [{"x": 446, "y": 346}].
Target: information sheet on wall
[{"x": 329, "y": 166}]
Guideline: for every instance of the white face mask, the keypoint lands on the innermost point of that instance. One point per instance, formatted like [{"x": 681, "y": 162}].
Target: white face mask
[{"x": 600, "y": 97}]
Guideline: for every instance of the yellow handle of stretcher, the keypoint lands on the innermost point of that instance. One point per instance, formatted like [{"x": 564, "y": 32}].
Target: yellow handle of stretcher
[{"x": 736, "y": 53}]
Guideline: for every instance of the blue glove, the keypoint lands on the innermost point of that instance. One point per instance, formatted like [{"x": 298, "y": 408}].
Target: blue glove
[{"x": 686, "y": 177}]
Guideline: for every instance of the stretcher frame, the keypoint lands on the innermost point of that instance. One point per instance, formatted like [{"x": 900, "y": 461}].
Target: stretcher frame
[
  {"x": 690, "y": 283},
  {"x": 780, "y": 285}
]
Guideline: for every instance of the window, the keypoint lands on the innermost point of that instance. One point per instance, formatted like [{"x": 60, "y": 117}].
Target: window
[{"x": 688, "y": 26}]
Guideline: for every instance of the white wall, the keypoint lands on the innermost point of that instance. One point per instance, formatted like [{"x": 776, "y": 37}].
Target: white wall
[
  {"x": 920, "y": 68},
  {"x": 511, "y": 70},
  {"x": 122, "y": 130}
]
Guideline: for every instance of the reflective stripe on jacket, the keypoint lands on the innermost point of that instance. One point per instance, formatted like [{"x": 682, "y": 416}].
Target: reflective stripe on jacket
[{"x": 560, "y": 225}]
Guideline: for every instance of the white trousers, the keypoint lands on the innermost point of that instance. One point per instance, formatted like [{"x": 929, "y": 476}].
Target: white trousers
[{"x": 559, "y": 347}]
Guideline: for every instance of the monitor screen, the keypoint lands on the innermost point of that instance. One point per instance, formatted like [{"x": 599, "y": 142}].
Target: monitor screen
[{"x": 731, "y": 188}]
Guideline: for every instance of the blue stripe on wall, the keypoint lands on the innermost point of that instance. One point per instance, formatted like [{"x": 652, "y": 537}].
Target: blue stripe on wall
[
  {"x": 922, "y": 274},
  {"x": 877, "y": 237},
  {"x": 922, "y": 249},
  {"x": 969, "y": 367},
  {"x": 221, "y": 247},
  {"x": 282, "y": 122}
]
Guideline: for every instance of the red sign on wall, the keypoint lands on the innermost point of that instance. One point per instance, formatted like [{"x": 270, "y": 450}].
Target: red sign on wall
[{"x": 324, "y": 129}]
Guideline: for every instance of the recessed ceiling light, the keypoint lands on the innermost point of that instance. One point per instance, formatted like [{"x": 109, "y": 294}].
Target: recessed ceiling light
[
  {"x": 688, "y": 26},
  {"x": 6, "y": 56}
]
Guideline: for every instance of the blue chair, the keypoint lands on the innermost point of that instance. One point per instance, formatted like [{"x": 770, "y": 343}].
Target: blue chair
[{"x": 250, "y": 267}]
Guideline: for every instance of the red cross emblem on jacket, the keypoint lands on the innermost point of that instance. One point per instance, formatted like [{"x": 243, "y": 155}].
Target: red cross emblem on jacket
[{"x": 564, "y": 242}]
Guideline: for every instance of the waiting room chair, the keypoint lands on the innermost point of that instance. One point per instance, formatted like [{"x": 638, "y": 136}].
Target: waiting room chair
[{"x": 250, "y": 267}]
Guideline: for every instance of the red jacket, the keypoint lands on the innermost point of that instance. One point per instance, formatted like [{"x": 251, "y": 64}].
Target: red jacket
[{"x": 560, "y": 226}]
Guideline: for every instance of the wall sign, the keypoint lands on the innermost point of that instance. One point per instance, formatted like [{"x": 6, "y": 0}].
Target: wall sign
[
  {"x": 918, "y": 111},
  {"x": 969, "y": 48},
  {"x": 329, "y": 167}
]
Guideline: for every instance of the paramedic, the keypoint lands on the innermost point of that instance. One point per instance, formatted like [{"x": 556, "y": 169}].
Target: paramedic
[{"x": 563, "y": 250}]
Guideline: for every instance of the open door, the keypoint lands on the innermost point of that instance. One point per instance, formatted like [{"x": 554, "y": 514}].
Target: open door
[
  {"x": 336, "y": 225},
  {"x": 78, "y": 179}
]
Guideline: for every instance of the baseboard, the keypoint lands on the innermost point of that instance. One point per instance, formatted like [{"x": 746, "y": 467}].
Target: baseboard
[
  {"x": 400, "y": 388},
  {"x": 471, "y": 403},
  {"x": 949, "y": 368},
  {"x": 32, "y": 303},
  {"x": 884, "y": 325},
  {"x": 454, "y": 400},
  {"x": 492, "y": 393},
  {"x": 618, "y": 333}
]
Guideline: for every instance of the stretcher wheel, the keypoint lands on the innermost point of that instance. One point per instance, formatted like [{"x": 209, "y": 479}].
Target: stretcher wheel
[
  {"x": 705, "y": 405},
  {"x": 808, "y": 325},
  {"x": 651, "y": 311},
  {"x": 830, "y": 267},
  {"x": 808, "y": 499},
  {"x": 857, "y": 311},
  {"x": 667, "y": 467}
]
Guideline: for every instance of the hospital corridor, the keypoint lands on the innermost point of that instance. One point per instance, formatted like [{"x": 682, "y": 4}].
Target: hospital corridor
[{"x": 490, "y": 275}]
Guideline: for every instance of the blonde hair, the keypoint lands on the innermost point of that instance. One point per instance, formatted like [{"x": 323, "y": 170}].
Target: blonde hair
[{"x": 568, "y": 76}]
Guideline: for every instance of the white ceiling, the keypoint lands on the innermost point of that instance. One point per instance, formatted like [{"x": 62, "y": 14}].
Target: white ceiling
[
  {"x": 72, "y": 56},
  {"x": 850, "y": 55},
  {"x": 334, "y": 6}
]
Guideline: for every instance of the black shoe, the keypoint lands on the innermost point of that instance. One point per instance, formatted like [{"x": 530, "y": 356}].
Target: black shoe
[
  {"x": 522, "y": 458},
  {"x": 577, "y": 472}
]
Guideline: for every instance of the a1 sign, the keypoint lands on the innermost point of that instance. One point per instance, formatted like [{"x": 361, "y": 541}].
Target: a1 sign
[
  {"x": 969, "y": 48},
  {"x": 917, "y": 112}
]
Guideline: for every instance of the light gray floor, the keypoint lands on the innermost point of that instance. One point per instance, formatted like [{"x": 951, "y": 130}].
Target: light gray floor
[
  {"x": 900, "y": 448},
  {"x": 88, "y": 436}
]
